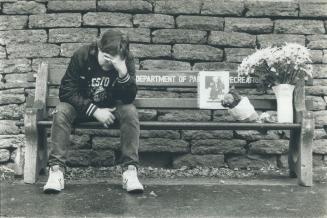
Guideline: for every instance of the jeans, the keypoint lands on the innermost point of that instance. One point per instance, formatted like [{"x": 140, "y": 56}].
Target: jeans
[{"x": 65, "y": 116}]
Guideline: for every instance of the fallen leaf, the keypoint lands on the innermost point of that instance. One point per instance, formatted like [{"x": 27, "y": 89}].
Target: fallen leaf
[{"x": 153, "y": 194}]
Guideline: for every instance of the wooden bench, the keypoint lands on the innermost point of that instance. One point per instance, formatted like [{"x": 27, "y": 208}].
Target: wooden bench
[{"x": 301, "y": 131}]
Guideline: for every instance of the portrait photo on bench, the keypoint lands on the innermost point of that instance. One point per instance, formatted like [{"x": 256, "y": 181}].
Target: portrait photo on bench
[{"x": 212, "y": 86}]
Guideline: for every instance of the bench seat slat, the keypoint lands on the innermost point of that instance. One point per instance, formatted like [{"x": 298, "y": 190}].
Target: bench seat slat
[
  {"x": 268, "y": 103},
  {"x": 178, "y": 103},
  {"x": 150, "y": 125},
  {"x": 191, "y": 103}
]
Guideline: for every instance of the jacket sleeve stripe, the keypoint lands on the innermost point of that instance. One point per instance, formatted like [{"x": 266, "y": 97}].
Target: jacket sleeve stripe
[
  {"x": 90, "y": 110},
  {"x": 93, "y": 110},
  {"x": 124, "y": 79}
]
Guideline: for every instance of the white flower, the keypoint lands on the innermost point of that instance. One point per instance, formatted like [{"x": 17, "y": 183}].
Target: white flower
[{"x": 291, "y": 60}]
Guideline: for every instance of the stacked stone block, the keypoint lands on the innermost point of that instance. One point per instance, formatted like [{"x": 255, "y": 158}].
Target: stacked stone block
[{"x": 164, "y": 34}]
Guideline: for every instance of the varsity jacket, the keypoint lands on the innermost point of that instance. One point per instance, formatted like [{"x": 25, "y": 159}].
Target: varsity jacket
[{"x": 87, "y": 87}]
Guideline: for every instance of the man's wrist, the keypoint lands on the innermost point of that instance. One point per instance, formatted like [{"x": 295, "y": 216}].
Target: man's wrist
[
  {"x": 124, "y": 79},
  {"x": 122, "y": 73},
  {"x": 95, "y": 112}
]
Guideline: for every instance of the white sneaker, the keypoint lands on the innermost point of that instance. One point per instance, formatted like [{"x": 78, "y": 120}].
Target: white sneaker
[
  {"x": 56, "y": 181},
  {"x": 130, "y": 181}
]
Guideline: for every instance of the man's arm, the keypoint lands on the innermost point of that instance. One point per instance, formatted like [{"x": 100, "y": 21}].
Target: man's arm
[
  {"x": 70, "y": 89},
  {"x": 125, "y": 87}
]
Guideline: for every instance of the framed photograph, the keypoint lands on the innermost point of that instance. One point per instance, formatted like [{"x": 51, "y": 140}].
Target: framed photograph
[{"x": 212, "y": 86}]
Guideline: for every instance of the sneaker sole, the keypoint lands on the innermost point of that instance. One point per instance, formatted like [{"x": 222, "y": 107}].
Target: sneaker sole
[
  {"x": 51, "y": 191},
  {"x": 135, "y": 191}
]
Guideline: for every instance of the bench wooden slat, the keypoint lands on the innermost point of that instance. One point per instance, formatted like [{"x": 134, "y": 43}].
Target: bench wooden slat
[
  {"x": 164, "y": 125},
  {"x": 191, "y": 103},
  {"x": 166, "y": 78},
  {"x": 187, "y": 103},
  {"x": 150, "y": 78},
  {"x": 177, "y": 103},
  {"x": 160, "y": 78}
]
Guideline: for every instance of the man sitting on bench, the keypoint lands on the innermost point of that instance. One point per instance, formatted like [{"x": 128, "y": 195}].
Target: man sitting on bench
[{"x": 99, "y": 84}]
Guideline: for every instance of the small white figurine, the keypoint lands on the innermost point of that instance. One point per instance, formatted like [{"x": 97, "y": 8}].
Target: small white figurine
[{"x": 240, "y": 107}]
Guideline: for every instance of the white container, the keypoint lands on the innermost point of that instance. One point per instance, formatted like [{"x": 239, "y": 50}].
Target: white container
[{"x": 284, "y": 96}]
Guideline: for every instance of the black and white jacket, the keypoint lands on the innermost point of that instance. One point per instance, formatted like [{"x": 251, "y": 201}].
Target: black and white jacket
[{"x": 86, "y": 86}]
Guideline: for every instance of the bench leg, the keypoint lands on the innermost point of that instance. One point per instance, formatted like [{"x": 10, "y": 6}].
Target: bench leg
[
  {"x": 19, "y": 162},
  {"x": 34, "y": 139},
  {"x": 305, "y": 150},
  {"x": 300, "y": 150},
  {"x": 293, "y": 152},
  {"x": 43, "y": 151}
]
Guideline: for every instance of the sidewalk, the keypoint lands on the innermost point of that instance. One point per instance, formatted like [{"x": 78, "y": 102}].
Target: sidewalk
[{"x": 191, "y": 197}]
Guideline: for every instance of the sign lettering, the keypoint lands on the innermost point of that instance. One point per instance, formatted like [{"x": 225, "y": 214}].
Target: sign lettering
[
  {"x": 191, "y": 79},
  {"x": 155, "y": 79},
  {"x": 241, "y": 79}
]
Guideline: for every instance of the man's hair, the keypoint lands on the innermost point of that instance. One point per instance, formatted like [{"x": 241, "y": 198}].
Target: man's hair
[{"x": 114, "y": 43}]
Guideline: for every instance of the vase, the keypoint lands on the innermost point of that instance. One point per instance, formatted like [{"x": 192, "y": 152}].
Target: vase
[{"x": 284, "y": 96}]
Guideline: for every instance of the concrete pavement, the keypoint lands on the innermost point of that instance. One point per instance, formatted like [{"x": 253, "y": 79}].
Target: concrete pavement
[{"x": 189, "y": 197}]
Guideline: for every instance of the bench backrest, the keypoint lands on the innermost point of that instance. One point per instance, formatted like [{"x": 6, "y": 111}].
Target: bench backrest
[{"x": 167, "y": 81}]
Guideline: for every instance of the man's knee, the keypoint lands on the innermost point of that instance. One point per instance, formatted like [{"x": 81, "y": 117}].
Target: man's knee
[
  {"x": 128, "y": 111},
  {"x": 64, "y": 112}
]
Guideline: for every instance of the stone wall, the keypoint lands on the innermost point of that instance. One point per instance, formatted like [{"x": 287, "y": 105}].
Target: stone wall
[{"x": 167, "y": 34}]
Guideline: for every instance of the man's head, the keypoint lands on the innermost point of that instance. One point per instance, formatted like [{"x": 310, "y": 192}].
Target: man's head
[
  {"x": 216, "y": 79},
  {"x": 111, "y": 45}
]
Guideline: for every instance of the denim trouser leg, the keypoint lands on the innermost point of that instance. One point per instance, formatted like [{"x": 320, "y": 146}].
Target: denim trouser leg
[
  {"x": 129, "y": 133},
  {"x": 65, "y": 115},
  {"x": 63, "y": 118}
]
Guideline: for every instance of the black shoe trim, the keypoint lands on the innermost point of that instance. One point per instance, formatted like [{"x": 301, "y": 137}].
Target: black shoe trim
[
  {"x": 51, "y": 191},
  {"x": 136, "y": 191}
]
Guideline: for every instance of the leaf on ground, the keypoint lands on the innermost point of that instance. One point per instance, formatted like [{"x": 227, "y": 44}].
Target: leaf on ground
[{"x": 152, "y": 193}]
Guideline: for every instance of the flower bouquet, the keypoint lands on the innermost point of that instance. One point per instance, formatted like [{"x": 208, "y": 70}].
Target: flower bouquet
[{"x": 279, "y": 68}]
